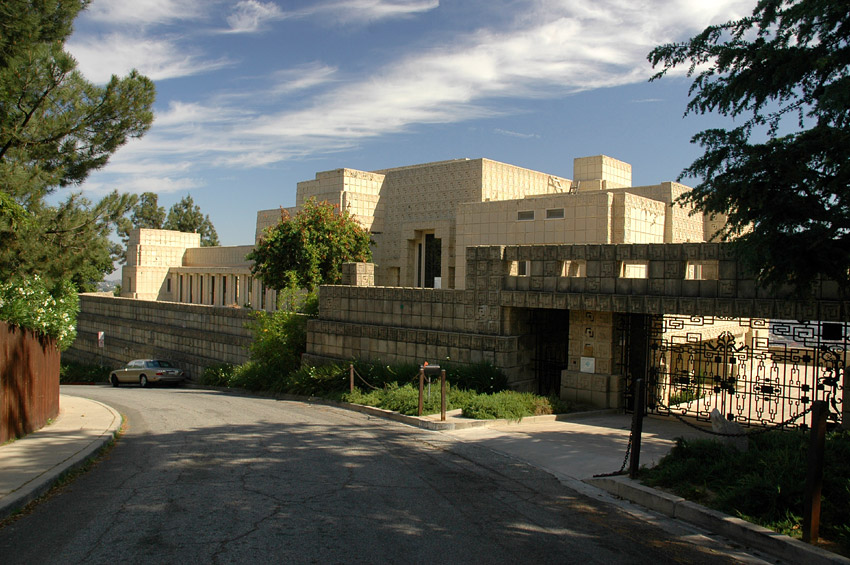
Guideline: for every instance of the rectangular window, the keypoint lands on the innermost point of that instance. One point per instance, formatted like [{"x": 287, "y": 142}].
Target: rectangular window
[
  {"x": 212, "y": 290},
  {"x": 525, "y": 215},
  {"x": 575, "y": 268},
  {"x": 224, "y": 290},
  {"x": 521, "y": 268},
  {"x": 634, "y": 270},
  {"x": 702, "y": 271},
  {"x": 555, "y": 214},
  {"x": 168, "y": 285}
]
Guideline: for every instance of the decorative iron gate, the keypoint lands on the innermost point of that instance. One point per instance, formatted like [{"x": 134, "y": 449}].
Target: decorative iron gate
[{"x": 756, "y": 372}]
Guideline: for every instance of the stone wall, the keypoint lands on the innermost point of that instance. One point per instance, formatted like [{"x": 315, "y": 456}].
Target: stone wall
[
  {"x": 493, "y": 318},
  {"x": 411, "y": 325},
  {"x": 193, "y": 336}
]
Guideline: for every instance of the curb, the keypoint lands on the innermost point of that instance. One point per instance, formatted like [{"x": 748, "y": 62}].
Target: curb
[
  {"x": 740, "y": 530},
  {"x": 32, "y": 490}
]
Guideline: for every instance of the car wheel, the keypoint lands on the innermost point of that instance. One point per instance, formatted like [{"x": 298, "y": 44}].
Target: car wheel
[
  {"x": 114, "y": 380},
  {"x": 143, "y": 381}
]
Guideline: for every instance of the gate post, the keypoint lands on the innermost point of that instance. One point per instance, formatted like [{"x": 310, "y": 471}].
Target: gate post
[
  {"x": 814, "y": 477},
  {"x": 637, "y": 426}
]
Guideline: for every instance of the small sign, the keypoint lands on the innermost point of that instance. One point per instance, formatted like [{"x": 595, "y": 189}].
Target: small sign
[
  {"x": 438, "y": 282},
  {"x": 588, "y": 365},
  {"x": 101, "y": 336}
]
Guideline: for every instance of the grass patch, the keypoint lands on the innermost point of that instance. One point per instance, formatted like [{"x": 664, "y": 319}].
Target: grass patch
[{"x": 764, "y": 485}]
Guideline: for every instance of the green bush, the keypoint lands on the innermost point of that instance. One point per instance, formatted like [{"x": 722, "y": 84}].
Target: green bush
[
  {"x": 512, "y": 405},
  {"x": 218, "y": 375},
  {"x": 402, "y": 399},
  {"x": 506, "y": 404},
  {"x": 765, "y": 484},
  {"x": 322, "y": 380},
  {"x": 71, "y": 372},
  {"x": 280, "y": 338},
  {"x": 480, "y": 377},
  {"x": 29, "y": 303}
]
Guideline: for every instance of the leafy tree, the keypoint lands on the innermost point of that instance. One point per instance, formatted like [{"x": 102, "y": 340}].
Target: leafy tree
[
  {"x": 55, "y": 128},
  {"x": 309, "y": 249},
  {"x": 147, "y": 213},
  {"x": 783, "y": 175},
  {"x": 186, "y": 216}
]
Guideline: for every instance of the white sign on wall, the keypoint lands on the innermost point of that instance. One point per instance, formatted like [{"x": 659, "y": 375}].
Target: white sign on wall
[{"x": 588, "y": 365}]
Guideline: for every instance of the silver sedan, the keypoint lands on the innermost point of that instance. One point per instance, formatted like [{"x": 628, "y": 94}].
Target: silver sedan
[{"x": 146, "y": 371}]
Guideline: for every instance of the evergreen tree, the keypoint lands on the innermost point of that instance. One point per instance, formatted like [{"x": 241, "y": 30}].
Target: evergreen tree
[
  {"x": 55, "y": 129},
  {"x": 783, "y": 174},
  {"x": 147, "y": 213},
  {"x": 309, "y": 249},
  {"x": 186, "y": 216}
]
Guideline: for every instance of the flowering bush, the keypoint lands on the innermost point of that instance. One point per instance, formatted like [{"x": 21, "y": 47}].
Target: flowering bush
[{"x": 27, "y": 302}]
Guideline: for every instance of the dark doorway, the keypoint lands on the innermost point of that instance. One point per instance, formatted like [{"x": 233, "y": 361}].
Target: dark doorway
[
  {"x": 433, "y": 259},
  {"x": 551, "y": 331}
]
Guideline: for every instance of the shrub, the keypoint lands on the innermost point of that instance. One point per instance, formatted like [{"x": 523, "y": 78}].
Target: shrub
[
  {"x": 764, "y": 484},
  {"x": 511, "y": 405},
  {"x": 280, "y": 338},
  {"x": 480, "y": 377},
  {"x": 217, "y": 375},
  {"x": 72, "y": 372},
  {"x": 29, "y": 303},
  {"x": 321, "y": 380},
  {"x": 252, "y": 376}
]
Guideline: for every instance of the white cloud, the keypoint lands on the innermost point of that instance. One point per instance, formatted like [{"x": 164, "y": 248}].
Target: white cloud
[
  {"x": 516, "y": 134},
  {"x": 363, "y": 11},
  {"x": 157, "y": 58},
  {"x": 121, "y": 12},
  {"x": 302, "y": 78},
  {"x": 554, "y": 49},
  {"x": 250, "y": 15},
  {"x": 580, "y": 45}
]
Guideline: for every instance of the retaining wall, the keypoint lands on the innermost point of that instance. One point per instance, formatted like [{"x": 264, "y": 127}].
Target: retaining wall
[{"x": 193, "y": 336}]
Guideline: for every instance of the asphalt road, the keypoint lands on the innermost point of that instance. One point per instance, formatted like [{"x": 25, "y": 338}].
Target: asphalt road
[{"x": 208, "y": 477}]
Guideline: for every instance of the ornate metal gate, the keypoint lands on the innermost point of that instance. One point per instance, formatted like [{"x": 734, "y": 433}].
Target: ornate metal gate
[{"x": 756, "y": 372}]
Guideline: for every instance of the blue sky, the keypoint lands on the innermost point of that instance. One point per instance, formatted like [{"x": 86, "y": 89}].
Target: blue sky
[{"x": 254, "y": 96}]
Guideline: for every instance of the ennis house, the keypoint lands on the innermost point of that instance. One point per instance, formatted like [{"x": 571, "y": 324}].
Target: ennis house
[{"x": 423, "y": 218}]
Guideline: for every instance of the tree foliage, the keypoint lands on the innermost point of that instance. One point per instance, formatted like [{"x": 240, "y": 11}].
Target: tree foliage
[
  {"x": 186, "y": 216},
  {"x": 55, "y": 129},
  {"x": 783, "y": 175},
  {"x": 308, "y": 249},
  {"x": 146, "y": 213}
]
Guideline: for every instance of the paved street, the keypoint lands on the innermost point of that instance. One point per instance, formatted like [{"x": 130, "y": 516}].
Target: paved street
[{"x": 208, "y": 477}]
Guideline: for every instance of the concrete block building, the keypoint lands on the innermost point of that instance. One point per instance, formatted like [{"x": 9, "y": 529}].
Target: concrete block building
[{"x": 422, "y": 218}]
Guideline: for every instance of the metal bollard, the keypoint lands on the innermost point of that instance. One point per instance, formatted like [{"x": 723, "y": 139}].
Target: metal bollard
[
  {"x": 421, "y": 387},
  {"x": 351, "y": 377},
  {"x": 443, "y": 395}
]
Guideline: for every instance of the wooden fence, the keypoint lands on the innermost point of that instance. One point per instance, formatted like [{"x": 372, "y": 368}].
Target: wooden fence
[{"x": 29, "y": 381}]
